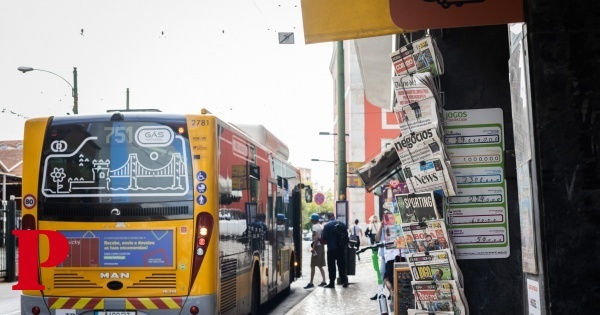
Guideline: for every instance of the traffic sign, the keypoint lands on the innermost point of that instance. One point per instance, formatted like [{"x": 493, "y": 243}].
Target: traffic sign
[
  {"x": 29, "y": 201},
  {"x": 319, "y": 198}
]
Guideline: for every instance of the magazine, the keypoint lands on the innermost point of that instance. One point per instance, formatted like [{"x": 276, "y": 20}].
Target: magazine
[
  {"x": 434, "y": 266},
  {"x": 418, "y": 116},
  {"x": 443, "y": 295},
  {"x": 417, "y": 207},
  {"x": 419, "y": 56},
  {"x": 430, "y": 175},
  {"x": 418, "y": 146}
]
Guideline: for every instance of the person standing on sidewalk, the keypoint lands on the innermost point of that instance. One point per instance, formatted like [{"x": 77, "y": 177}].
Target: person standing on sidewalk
[
  {"x": 336, "y": 250},
  {"x": 318, "y": 252}
]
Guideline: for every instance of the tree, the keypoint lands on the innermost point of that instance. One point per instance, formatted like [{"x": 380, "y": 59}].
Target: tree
[{"x": 310, "y": 208}]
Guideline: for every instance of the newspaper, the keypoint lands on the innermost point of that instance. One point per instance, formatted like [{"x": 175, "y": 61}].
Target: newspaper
[
  {"x": 426, "y": 236},
  {"x": 440, "y": 296},
  {"x": 410, "y": 88},
  {"x": 418, "y": 116},
  {"x": 419, "y": 56},
  {"x": 434, "y": 266},
  {"x": 423, "y": 312},
  {"x": 418, "y": 146},
  {"x": 416, "y": 207},
  {"x": 430, "y": 175}
]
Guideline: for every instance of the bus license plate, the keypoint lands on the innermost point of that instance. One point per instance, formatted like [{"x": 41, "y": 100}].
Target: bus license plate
[{"x": 115, "y": 313}]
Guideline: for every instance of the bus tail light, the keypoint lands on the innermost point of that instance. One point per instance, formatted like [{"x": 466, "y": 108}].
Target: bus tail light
[
  {"x": 28, "y": 222},
  {"x": 194, "y": 310},
  {"x": 204, "y": 227},
  {"x": 35, "y": 310}
]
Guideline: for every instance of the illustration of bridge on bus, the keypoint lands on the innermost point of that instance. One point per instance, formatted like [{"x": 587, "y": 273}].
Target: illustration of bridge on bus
[{"x": 131, "y": 178}]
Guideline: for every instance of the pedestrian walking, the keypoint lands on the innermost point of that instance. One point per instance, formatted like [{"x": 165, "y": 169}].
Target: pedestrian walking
[
  {"x": 317, "y": 259},
  {"x": 335, "y": 234},
  {"x": 381, "y": 256},
  {"x": 355, "y": 233},
  {"x": 391, "y": 255},
  {"x": 372, "y": 228}
]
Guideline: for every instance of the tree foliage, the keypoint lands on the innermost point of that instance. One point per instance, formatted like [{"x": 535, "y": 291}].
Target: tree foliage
[{"x": 310, "y": 208}]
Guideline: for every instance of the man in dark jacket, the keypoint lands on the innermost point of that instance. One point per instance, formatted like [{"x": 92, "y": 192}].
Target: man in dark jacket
[
  {"x": 259, "y": 232},
  {"x": 334, "y": 252}
]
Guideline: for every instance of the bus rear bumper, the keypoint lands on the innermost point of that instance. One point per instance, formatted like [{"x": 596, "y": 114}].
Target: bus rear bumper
[{"x": 207, "y": 304}]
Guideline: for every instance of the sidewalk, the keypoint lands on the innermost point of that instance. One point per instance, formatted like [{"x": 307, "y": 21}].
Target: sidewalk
[
  {"x": 10, "y": 300},
  {"x": 351, "y": 300},
  {"x": 6, "y": 289}
]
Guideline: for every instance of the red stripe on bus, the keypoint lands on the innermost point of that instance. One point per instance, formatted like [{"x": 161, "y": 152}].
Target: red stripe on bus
[
  {"x": 178, "y": 300},
  {"x": 51, "y": 301},
  {"x": 70, "y": 303},
  {"x": 159, "y": 303},
  {"x": 92, "y": 303},
  {"x": 137, "y": 304}
]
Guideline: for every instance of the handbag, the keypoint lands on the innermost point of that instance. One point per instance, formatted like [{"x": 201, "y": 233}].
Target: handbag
[{"x": 354, "y": 236}]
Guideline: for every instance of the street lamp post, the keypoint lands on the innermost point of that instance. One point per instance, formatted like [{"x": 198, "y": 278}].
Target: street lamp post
[
  {"x": 317, "y": 160},
  {"x": 325, "y": 133},
  {"x": 341, "y": 120},
  {"x": 342, "y": 176},
  {"x": 73, "y": 86}
]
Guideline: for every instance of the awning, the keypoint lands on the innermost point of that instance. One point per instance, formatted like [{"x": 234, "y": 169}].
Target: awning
[
  {"x": 422, "y": 15},
  {"x": 376, "y": 68},
  {"x": 334, "y": 20},
  {"x": 385, "y": 165}
]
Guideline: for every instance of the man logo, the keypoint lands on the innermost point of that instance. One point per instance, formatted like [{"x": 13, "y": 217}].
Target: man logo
[
  {"x": 114, "y": 275},
  {"x": 58, "y": 146}
]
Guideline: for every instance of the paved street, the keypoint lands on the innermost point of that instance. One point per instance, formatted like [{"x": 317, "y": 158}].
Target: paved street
[{"x": 351, "y": 300}]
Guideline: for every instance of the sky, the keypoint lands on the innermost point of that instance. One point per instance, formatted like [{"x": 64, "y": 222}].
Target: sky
[{"x": 176, "y": 56}]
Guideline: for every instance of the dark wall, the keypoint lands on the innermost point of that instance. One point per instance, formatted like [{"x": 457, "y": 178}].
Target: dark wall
[
  {"x": 476, "y": 77},
  {"x": 564, "y": 46}
]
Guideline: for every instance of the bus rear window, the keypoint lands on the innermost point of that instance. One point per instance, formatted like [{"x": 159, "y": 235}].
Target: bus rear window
[{"x": 110, "y": 163}]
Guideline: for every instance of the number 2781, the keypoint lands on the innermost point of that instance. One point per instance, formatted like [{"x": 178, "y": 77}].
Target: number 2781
[{"x": 200, "y": 122}]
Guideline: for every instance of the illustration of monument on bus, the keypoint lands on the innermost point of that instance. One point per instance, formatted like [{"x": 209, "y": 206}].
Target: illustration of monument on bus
[{"x": 121, "y": 174}]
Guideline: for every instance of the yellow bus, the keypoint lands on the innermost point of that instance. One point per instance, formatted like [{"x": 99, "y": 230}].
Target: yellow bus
[{"x": 161, "y": 214}]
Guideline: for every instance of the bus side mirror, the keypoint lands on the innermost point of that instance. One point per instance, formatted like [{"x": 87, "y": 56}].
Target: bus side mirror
[{"x": 308, "y": 195}]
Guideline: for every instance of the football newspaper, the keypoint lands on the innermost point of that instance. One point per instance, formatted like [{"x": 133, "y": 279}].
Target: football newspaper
[
  {"x": 430, "y": 175},
  {"x": 423, "y": 312},
  {"x": 434, "y": 266},
  {"x": 417, "y": 207},
  {"x": 426, "y": 236},
  {"x": 419, "y": 56},
  {"x": 444, "y": 295}
]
